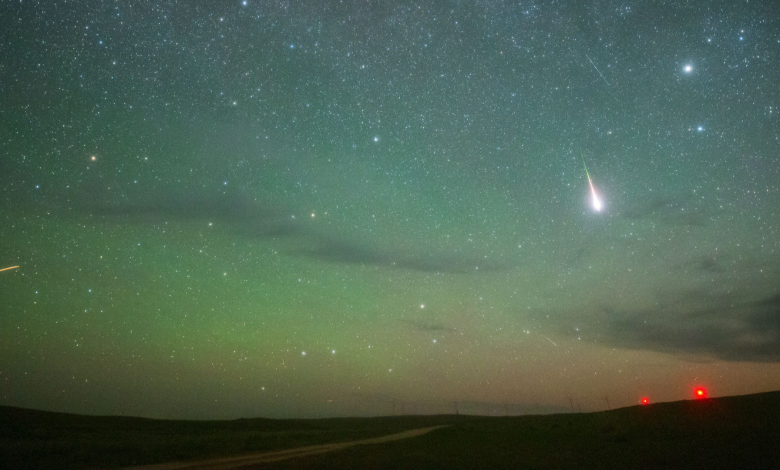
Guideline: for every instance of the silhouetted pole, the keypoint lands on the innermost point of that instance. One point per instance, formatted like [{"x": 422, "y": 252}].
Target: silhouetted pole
[
  {"x": 607, "y": 400},
  {"x": 571, "y": 403}
]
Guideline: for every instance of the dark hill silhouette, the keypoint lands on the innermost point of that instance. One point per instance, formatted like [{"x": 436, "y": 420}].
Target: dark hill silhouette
[{"x": 727, "y": 432}]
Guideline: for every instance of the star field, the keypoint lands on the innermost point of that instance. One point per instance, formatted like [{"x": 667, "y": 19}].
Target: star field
[{"x": 287, "y": 209}]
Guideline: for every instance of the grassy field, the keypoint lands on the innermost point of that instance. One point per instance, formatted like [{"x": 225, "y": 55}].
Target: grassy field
[
  {"x": 730, "y": 432},
  {"x": 39, "y": 439}
]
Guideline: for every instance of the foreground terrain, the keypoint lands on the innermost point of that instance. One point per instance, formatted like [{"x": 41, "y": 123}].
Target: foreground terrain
[{"x": 724, "y": 432}]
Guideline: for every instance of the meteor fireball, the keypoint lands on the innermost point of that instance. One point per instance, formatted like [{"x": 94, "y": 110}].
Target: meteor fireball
[{"x": 595, "y": 200}]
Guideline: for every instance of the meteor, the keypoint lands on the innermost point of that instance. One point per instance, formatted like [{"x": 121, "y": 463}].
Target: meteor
[
  {"x": 10, "y": 267},
  {"x": 597, "y": 205},
  {"x": 599, "y": 71}
]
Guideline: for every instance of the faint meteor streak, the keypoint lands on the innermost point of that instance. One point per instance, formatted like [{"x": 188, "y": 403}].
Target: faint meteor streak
[
  {"x": 597, "y": 205},
  {"x": 553, "y": 342},
  {"x": 597, "y": 70},
  {"x": 10, "y": 267}
]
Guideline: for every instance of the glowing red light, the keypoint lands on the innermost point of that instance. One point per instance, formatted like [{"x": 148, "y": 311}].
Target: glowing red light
[
  {"x": 644, "y": 401},
  {"x": 700, "y": 393}
]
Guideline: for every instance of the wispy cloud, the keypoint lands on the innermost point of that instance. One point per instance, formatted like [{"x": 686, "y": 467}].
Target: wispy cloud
[
  {"x": 669, "y": 211},
  {"x": 252, "y": 219},
  {"x": 429, "y": 327},
  {"x": 243, "y": 215},
  {"x": 330, "y": 249}
]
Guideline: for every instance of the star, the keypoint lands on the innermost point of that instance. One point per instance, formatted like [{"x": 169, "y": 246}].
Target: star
[{"x": 688, "y": 68}]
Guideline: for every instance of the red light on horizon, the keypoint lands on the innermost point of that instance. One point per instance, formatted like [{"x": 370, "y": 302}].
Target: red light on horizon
[
  {"x": 644, "y": 401},
  {"x": 700, "y": 393}
]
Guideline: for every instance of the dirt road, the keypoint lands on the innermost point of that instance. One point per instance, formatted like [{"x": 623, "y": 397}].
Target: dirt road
[{"x": 243, "y": 460}]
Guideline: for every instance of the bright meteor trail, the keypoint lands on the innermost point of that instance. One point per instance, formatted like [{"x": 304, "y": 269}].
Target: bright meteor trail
[
  {"x": 10, "y": 267},
  {"x": 597, "y": 205}
]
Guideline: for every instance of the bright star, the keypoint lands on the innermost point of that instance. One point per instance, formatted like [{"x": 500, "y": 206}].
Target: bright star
[{"x": 688, "y": 68}]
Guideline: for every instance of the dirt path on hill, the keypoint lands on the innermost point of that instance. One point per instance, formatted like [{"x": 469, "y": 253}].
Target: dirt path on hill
[{"x": 274, "y": 456}]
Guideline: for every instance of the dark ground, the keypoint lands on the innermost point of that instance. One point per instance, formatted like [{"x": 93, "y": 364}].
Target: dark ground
[{"x": 730, "y": 432}]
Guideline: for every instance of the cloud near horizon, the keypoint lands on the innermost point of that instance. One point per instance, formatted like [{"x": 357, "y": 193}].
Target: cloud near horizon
[{"x": 723, "y": 327}]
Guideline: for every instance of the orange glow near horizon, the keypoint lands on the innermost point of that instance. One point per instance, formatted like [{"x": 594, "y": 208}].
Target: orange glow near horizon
[
  {"x": 644, "y": 401},
  {"x": 700, "y": 393}
]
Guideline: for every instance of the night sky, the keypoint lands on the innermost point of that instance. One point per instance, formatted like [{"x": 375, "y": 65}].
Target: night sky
[{"x": 254, "y": 208}]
